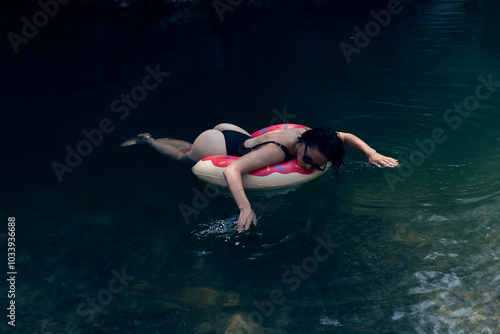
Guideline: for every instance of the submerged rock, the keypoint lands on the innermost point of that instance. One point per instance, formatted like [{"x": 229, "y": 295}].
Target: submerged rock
[
  {"x": 205, "y": 328},
  {"x": 238, "y": 325},
  {"x": 170, "y": 305},
  {"x": 206, "y": 297},
  {"x": 477, "y": 318},
  {"x": 283, "y": 317}
]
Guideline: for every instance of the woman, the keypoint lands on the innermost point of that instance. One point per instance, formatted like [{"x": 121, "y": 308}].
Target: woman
[{"x": 313, "y": 148}]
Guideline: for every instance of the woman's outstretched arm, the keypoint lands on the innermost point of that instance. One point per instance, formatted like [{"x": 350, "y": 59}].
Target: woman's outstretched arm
[
  {"x": 375, "y": 158},
  {"x": 264, "y": 156}
]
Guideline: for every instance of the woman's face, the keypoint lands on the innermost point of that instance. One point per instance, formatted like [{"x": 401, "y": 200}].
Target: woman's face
[{"x": 310, "y": 157}]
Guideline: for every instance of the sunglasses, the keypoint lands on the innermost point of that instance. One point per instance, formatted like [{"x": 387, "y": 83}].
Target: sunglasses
[{"x": 307, "y": 159}]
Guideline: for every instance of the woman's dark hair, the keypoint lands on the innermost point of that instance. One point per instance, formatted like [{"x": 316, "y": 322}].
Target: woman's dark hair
[{"x": 327, "y": 142}]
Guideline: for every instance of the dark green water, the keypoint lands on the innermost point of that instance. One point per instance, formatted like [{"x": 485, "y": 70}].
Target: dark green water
[{"x": 412, "y": 250}]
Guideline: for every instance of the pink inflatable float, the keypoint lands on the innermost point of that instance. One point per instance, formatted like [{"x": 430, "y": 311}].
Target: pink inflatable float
[{"x": 282, "y": 175}]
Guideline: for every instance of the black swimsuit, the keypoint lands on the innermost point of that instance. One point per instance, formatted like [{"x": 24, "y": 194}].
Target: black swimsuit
[{"x": 235, "y": 144}]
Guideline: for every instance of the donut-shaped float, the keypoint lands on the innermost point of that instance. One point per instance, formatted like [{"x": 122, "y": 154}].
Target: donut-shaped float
[{"x": 282, "y": 175}]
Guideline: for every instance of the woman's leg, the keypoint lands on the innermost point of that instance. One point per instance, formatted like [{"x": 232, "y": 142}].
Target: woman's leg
[
  {"x": 165, "y": 148},
  {"x": 182, "y": 145},
  {"x": 210, "y": 142}
]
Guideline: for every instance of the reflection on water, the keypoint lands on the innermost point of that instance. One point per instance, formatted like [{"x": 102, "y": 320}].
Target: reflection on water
[
  {"x": 458, "y": 291},
  {"x": 218, "y": 229},
  {"x": 220, "y": 239}
]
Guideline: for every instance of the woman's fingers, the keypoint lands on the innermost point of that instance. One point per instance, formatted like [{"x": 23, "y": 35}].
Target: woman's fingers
[
  {"x": 374, "y": 161},
  {"x": 392, "y": 162},
  {"x": 384, "y": 161},
  {"x": 244, "y": 223},
  {"x": 241, "y": 226}
]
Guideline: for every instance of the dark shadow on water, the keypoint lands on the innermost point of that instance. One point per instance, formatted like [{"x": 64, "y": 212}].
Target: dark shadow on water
[{"x": 220, "y": 239}]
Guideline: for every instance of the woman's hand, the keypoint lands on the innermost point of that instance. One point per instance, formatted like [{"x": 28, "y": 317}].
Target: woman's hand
[
  {"x": 247, "y": 217},
  {"x": 380, "y": 160},
  {"x": 377, "y": 159}
]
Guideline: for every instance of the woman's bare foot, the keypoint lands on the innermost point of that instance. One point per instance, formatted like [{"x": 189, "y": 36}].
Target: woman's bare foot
[
  {"x": 140, "y": 139},
  {"x": 145, "y": 137}
]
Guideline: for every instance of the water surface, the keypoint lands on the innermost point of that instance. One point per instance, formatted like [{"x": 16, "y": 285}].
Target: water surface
[{"x": 413, "y": 249}]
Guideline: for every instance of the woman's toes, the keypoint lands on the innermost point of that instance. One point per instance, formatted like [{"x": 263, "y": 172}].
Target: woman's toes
[
  {"x": 145, "y": 137},
  {"x": 140, "y": 139},
  {"x": 129, "y": 142}
]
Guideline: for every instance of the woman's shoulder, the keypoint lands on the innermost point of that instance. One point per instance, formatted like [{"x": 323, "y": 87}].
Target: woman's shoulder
[
  {"x": 294, "y": 130},
  {"x": 285, "y": 134},
  {"x": 289, "y": 137}
]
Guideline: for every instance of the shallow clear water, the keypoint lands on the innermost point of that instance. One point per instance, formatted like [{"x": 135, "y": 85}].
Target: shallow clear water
[{"x": 408, "y": 250}]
